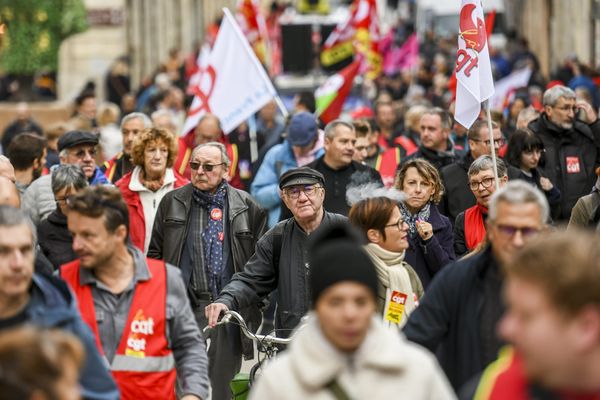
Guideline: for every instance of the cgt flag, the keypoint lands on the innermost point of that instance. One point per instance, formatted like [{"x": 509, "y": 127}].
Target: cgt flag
[
  {"x": 233, "y": 85},
  {"x": 330, "y": 96},
  {"x": 473, "y": 70}
]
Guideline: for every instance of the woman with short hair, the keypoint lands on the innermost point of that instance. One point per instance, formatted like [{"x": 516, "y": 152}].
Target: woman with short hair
[
  {"x": 525, "y": 150},
  {"x": 429, "y": 232},
  {"x": 54, "y": 237},
  {"x": 381, "y": 223},
  {"x": 153, "y": 154}
]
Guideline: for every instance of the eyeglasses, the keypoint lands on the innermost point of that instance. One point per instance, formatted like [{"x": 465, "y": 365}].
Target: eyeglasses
[
  {"x": 510, "y": 231},
  {"x": 397, "y": 224},
  {"x": 497, "y": 142},
  {"x": 63, "y": 200},
  {"x": 486, "y": 183},
  {"x": 294, "y": 191},
  {"x": 81, "y": 153},
  {"x": 205, "y": 167}
]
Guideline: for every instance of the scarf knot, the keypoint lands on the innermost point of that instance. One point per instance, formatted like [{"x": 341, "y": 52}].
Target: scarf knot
[{"x": 411, "y": 219}]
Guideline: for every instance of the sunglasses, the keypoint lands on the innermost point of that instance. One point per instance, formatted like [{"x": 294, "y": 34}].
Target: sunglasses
[
  {"x": 510, "y": 231},
  {"x": 205, "y": 167}
]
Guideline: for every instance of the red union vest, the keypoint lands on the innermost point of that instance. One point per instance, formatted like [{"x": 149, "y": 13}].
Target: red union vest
[{"x": 143, "y": 366}]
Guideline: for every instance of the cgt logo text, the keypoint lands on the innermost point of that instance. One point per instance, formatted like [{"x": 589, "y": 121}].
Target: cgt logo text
[{"x": 139, "y": 328}]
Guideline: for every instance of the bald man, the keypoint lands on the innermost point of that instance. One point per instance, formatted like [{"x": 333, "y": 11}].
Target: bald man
[
  {"x": 9, "y": 194},
  {"x": 6, "y": 169}
]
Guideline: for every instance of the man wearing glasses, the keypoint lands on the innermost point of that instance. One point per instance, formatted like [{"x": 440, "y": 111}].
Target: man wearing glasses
[
  {"x": 458, "y": 315},
  {"x": 281, "y": 258},
  {"x": 76, "y": 148},
  {"x": 209, "y": 229},
  {"x": 469, "y": 227},
  {"x": 457, "y": 195},
  {"x": 570, "y": 131}
]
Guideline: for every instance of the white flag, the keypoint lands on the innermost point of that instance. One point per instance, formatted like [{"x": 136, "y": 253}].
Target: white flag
[
  {"x": 506, "y": 85},
  {"x": 233, "y": 85},
  {"x": 473, "y": 69}
]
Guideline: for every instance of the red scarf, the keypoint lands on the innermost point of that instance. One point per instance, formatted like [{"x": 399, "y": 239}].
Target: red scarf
[{"x": 474, "y": 226}]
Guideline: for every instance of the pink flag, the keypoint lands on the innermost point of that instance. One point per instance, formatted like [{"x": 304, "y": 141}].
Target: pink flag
[
  {"x": 402, "y": 58},
  {"x": 473, "y": 70}
]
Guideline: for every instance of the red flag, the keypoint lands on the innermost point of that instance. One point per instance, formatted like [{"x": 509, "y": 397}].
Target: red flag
[
  {"x": 330, "y": 96},
  {"x": 253, "y": 24},
  {"x": 367, "y": 38},
  {"x": 358, "y": 34}
]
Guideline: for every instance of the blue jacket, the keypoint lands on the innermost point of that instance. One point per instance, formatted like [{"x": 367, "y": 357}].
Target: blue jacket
[
  {"x": 427, "y": 257},
  {"x": 265, "y": 187},
  {"x": 53, "y": 306},
  {"x": 99, "y": 178}
]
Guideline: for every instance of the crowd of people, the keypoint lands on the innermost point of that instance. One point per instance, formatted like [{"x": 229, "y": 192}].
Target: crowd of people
[{"x": 431, "y": 261}]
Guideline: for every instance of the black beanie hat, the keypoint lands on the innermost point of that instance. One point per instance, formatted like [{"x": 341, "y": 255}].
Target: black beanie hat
[{"x": 337, "y": 256}]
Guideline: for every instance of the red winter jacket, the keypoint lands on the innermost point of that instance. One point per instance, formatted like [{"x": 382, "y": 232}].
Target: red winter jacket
[{"x": 137, "y": 221}]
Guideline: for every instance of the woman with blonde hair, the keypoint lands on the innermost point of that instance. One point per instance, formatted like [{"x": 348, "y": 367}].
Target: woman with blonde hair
[
  {"x": 153, "y": 155},
  {"x": 386, "y": 232},
  {"x": 429, "y": 232}
]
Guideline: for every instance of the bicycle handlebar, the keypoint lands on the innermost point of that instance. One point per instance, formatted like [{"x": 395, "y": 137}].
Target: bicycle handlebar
[{"x": 229, "y": 315}]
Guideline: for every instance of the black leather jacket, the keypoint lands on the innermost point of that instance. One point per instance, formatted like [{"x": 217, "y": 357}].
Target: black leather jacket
[{"x": 247, "y": 223}]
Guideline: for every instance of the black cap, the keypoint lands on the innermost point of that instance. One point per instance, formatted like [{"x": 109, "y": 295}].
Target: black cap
[
  {"x": 74, "y": 138},
  {"x": 337, "y": 255},
  {"x": 301, "y": 176}
]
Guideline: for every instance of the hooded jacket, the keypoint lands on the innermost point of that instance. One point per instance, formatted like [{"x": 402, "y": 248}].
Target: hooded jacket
[{"x": 385, "y": 366}]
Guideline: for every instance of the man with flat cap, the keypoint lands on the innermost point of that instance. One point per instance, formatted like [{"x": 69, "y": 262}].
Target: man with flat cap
[
  {"x": 281, "y": 258},
  {"x": 74, "y": 147}
]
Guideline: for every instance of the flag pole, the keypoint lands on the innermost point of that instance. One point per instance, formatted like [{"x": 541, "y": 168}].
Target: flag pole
[
  {"x": 491, "y": 133},
  {"x": 281, "y": 106}
]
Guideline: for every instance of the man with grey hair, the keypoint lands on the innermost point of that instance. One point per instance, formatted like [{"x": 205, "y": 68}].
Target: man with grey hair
[
  {"x": 469, "y": 226},
  {"x": 77, "y": 148},
  {"x": 131, "y": 126},
  {"x": 209, "y": 229},
  {"x": 457, "y": 317},
  {"x": 338, "y": 168},
  {"x": 570, "y": 131}
]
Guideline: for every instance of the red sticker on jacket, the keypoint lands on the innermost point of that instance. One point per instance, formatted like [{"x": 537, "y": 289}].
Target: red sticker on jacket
[
  {"x": 216, "y": 214},
  {"x": 221, "y": 236},
  {"x": 573, "y": 165}
]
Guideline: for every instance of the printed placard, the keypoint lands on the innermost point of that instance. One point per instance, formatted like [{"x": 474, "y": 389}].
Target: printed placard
[{"x": 396, "y": 307}]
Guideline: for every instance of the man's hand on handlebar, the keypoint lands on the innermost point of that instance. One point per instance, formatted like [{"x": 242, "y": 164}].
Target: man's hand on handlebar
[{"x": 213, "y": 311}]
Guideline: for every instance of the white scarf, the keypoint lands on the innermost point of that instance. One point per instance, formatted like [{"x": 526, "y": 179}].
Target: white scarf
[{"x": 394, "y": 277}]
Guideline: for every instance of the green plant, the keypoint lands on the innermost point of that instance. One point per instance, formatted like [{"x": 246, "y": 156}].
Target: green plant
[{"x": 35, "y": 30}]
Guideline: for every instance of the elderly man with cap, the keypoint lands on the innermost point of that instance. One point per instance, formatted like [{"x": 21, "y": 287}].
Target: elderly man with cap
[
  {"x": 303, "y": 145},
  {"x": 281, "y": 257},
  {"x": 343, "y": 326},
  {"x": 74, "y": 147}
]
